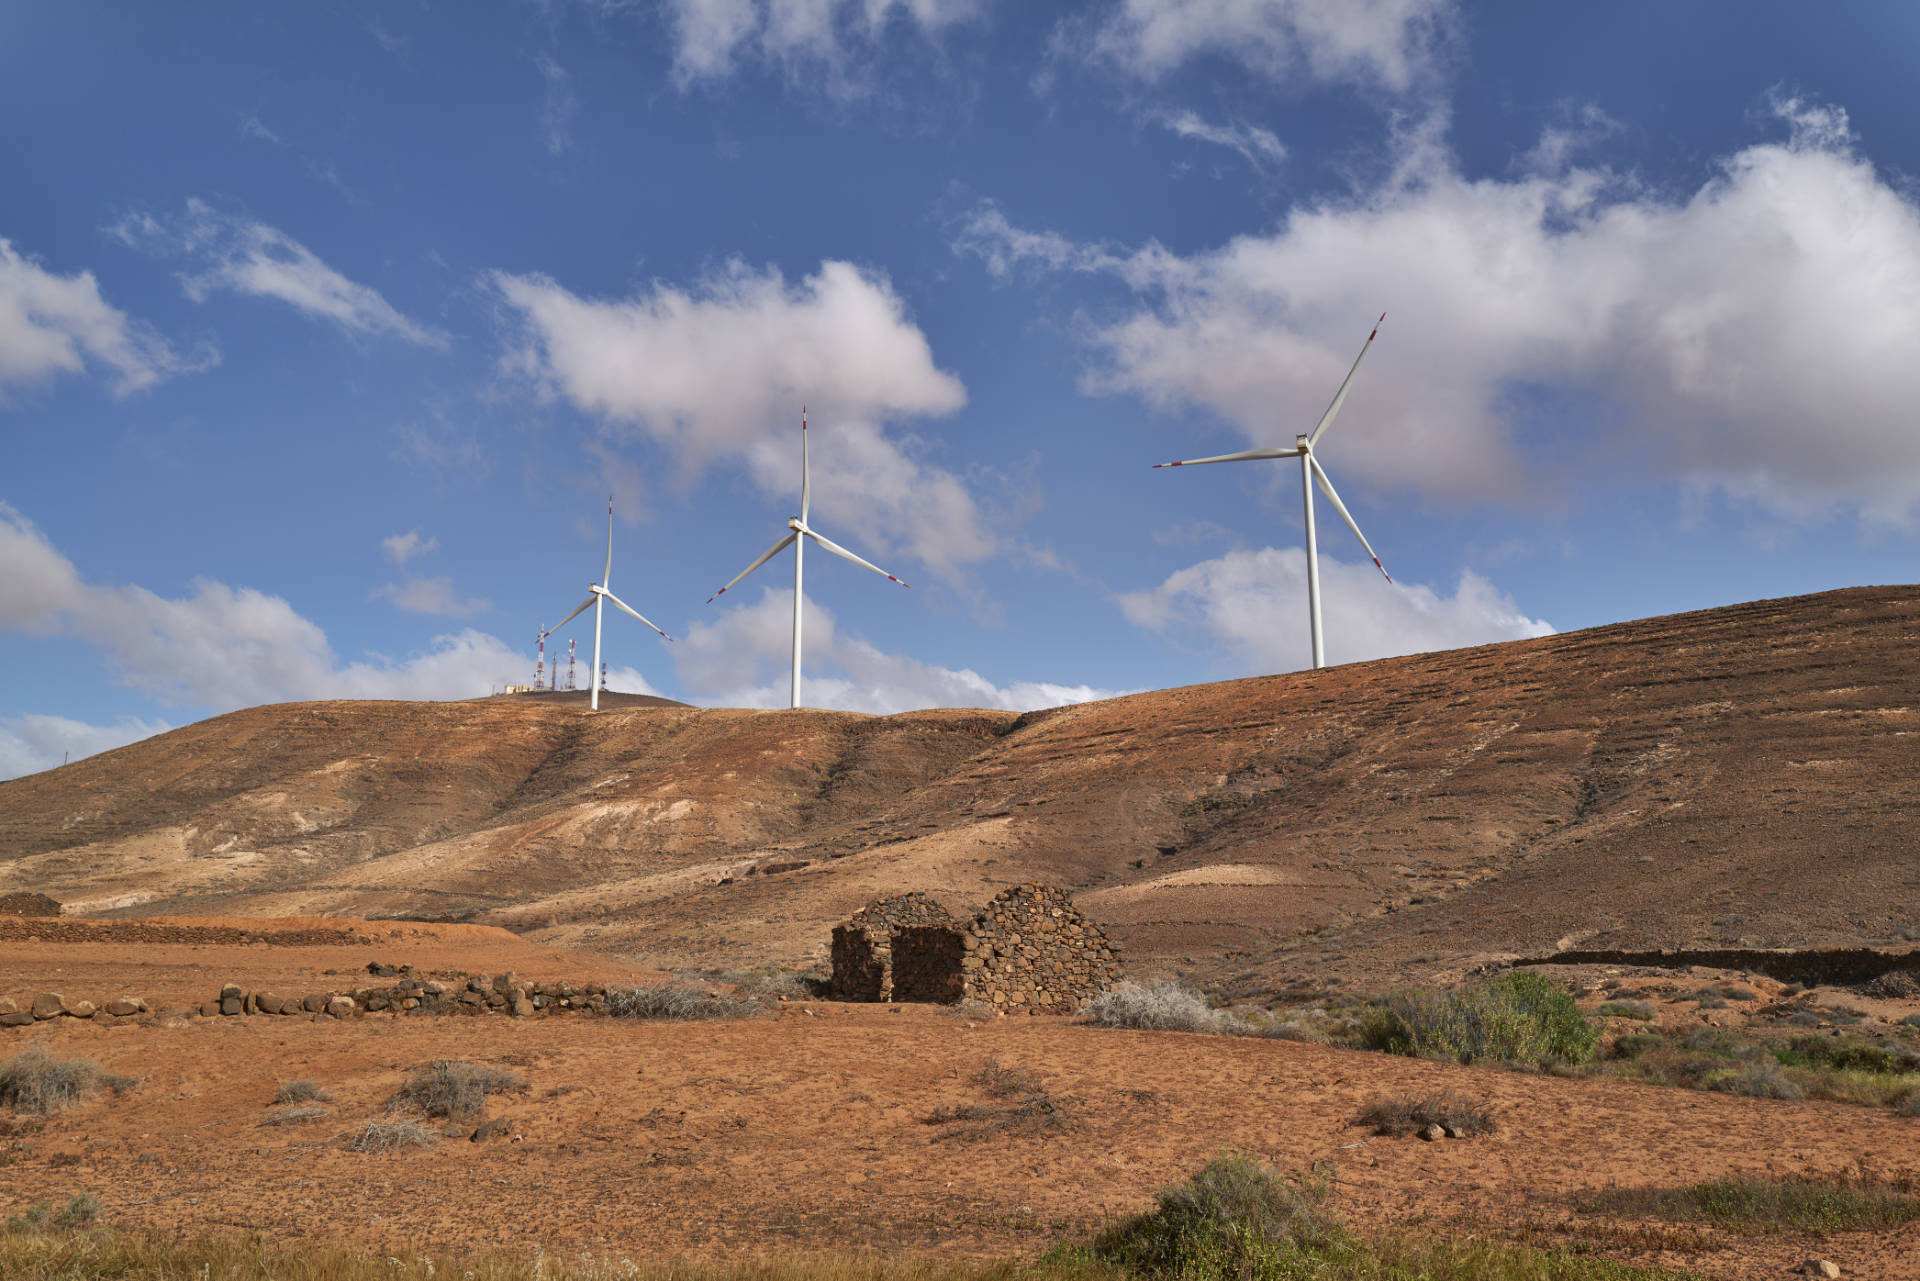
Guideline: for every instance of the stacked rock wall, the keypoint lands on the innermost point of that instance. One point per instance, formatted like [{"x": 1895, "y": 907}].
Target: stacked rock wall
[
  {"x": 863, "y": 967},
  {"x": 1029, "y": 950}
]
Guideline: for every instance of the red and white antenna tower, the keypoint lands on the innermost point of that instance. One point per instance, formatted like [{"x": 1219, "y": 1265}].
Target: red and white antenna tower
[
  {"x": 603, "y": 676},
  {"x": 569, "y": 664},
  {"x": 540, "y": 666}
]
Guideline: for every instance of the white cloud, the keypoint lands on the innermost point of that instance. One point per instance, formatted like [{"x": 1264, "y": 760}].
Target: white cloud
[
  {"x": 1258, "y": 147},
  {"x": 1391, "y": 44},
  {"x": 31, "y": 743},
  {"x": 1751, "y": 335},
  {"x": 744, "y": 659},
  {"x": 401, "y": 548},
  {"x": 721, "y": 372},
  {"x": 246, "y": 256},
  {"x": 431, "y": 596},
  {"x": 713, "y": 37},
  {"x": 1253, "y": 605},
  {"x": 224, "y": 647},
  {"x": 51, "y": 324},
  {"x": 561, "y": 106}
]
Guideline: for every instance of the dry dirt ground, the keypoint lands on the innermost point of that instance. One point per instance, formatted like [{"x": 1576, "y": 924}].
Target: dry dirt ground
[
  {"x": 1739, "y": 776},
  {"x": 808, "y": 1129}
]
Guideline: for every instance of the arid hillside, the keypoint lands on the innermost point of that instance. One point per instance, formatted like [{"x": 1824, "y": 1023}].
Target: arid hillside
[{"x": 1739, "y": 776}]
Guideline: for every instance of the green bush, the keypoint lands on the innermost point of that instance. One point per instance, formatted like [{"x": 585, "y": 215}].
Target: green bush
[
  {"x": 1843, "y": 1054},
  {"x": 1232, "y": 1220},
  {"x": 1520, "y": 1017},
  {"x": 1626, "y": 1010}
]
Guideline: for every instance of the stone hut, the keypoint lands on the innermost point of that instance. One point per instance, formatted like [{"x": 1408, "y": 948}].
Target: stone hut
[
  {"x": 1028, "y": 951},
  {"x": 863, "y": 947}
]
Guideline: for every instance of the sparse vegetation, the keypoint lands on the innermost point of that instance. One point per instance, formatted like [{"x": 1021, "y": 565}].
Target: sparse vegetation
[
  {"x": 1755, "y": 1064},
  {"x": 81, "y": 1211},
  {"x": 299, "y": 1115},
  {"x": 304, "y": 1090},
  {"x": 1021, "y": 1105},
  {"x": 677, "y": 1000},
  {"x": 1626, "y": 1010},
  {"x": 1815, "y": 1204},
  {"x": 36, "y": 1082},
  {"x": 1400, "y": 1115},
  {"x": 454, "y": 1089},
  {"x": 1519, "y": 1018},
  {"x": 389, "y": 1136}
]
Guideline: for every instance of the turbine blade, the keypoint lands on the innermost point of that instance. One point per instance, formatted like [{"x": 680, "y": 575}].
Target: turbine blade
[
  {"x": 844, "y": 554},
  {"x": 607, "y": 574},
  {"x": 620, "y": 604},
  {"x": 1340, "y": 397},
  {"x": 765, "y": 556},
  {"x": 1246, "y": 456},
  {"x": 1326, "y": 487},
  {"x": 806, "y": 471},
  {"x": 569, "y": 618}
]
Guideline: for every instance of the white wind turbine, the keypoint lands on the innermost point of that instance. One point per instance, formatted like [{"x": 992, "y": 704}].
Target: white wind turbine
[
  {"x": 1310, "y": 471},
  {"x": 800, "y": 532},
  {"x": 598, "y": 599}
]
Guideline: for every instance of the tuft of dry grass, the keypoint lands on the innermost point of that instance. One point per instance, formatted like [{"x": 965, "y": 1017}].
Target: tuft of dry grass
[
  {"x": 1164, "y": 1005},
  {"x": 304, "y": 1090},
  {"x": 1022, "y": 1106},
  {"x": 676, "y": 1000},
  {"x": 295, "y": 1115},
  {"x": 390, "y": 1136},
  {"x": 1400, "y": 1115},
  {"x": 35, "y": 1082}
]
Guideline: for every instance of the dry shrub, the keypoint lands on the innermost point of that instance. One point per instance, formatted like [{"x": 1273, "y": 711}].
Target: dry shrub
[
  {"x": 676, "y": 1000},
  {"x": 454, "y": 1089},
  {"x": 1164, "y": 1005},
  {"x": 1400, "y": 1115},
  {"x": 1022, "y": 1106},
  {"x": 35, "y": 1081},
  {"x": 295, "y": 1115},
  {"x": 304, "y": 1090},
  {"x": 390, "y": 1136}
]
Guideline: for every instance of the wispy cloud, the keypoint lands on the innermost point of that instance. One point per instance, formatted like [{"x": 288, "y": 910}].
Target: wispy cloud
[
  {"x": 557, "y": 112},
  {"x": 1258, "y": 147},
  {"x": 245, "y": 256},
  {"x": 52, "y": 324},
  {"x": 401, "y": 548}
]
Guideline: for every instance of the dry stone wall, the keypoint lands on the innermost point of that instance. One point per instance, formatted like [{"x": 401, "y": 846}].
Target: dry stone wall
[
  {"x": 1028, "y": 951},
  {"x": 863, "y": 947}
]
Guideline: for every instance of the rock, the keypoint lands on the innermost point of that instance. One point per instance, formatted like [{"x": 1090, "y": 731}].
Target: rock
[
  {"x": 79, "y": 1009},
  {"x": 231, "y": 1004},
  {"x": 522, "y": 1007},
  {"x": 1819, "y": 1268},
  {"x": 435, "y": 988},
  {"x": 19, "y": 1018},
  {"x": 341, "y": 1007},
  {"x": 380, "y": 971},
  {"x": 148, "y": 1158},
  {"x": 49, "y": 1005},
  {"x": 268, "y": 1003},
  {"x": 503, "y": 982},
  {"x": 124, "y": 1006},
  {"x": 208, "y": 1009},
  {"x": 313, "y": 1003},
  {"x": 7, "y": 1005},
  {"x": 233, "y": 991},
  {"x": 498, "y": 1128},
  {"x": 1433, "y": 1132}
]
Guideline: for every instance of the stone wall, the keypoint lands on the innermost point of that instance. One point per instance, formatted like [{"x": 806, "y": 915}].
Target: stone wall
[
  {"x": 1029, "y": 950},
  {"x": 863, "y": 947}
]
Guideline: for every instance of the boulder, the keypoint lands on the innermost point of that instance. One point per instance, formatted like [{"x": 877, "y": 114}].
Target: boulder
[
  {"x": 19, "y": 1018},
  {"x": 233, "y": 991},
  {"x": 231, "y": 1004},
  {"x": 1433, "y": 1133},
  {"x": 1819, "y": 1268},
  {"x": 313, "y": 1003},
  {"x": 341, "y": 1007},
  {"x": 49, "y": 1005},
  {"x": 522, "y": 1007},
  {"x": 267, "y": 1002},
  {"x": 79, "y": 1009}
]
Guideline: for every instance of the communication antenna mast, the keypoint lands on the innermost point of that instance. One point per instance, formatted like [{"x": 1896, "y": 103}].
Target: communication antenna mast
[
  {"x": 569, "y": 664},
  {"x": 603, "y": 676},
  {"x": 540, "y": 665}
]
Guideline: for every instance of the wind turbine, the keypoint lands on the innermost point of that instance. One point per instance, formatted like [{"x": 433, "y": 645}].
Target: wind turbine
[
  {"x": 598, "y": 599},
  {"x": 800, "y": 532},
  {"x": 1310, "y": 471}
]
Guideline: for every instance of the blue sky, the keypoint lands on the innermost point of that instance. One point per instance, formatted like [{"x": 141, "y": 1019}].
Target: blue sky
[{"x": 325, "y": 332}]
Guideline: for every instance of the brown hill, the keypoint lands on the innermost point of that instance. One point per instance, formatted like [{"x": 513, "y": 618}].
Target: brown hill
[{"x": 1737, "y": 776}]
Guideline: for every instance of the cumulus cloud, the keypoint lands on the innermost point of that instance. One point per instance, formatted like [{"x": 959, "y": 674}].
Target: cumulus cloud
[
  {"x": 743, "y": 659},
  {"x": 1391, "y": 44},
  {"x": 245, "y": 256},
  {"x": 721, "y": 371},
  {"x": 1252, "y": 605},
  {"x": 52, "y": 324},
  {"x": 1750, "y": 335},
  {"x": 713, "y": 38},
  {"x": 1258, "y": 147},
  {"x": 31, "y": 743},
  {"x": 224, "y": 647}
]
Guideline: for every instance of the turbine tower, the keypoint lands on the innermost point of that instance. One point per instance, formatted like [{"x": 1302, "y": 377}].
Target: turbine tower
[
  {"x": 800, "y": 531},
  {"x": 1310, "y": 472},
  {"x": 598, "y": 597}
]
